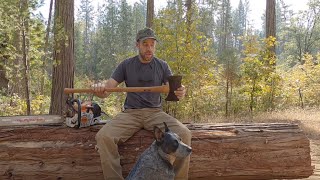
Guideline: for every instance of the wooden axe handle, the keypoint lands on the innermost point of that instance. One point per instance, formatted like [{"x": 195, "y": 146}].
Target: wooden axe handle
[{"x": 158, "y": 89}]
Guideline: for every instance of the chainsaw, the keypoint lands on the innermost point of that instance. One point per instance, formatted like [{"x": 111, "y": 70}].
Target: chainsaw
[{"x": 82, "y": 114}]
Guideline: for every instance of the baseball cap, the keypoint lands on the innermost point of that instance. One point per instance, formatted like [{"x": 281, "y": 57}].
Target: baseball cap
[{"x": 146, "y": 33}]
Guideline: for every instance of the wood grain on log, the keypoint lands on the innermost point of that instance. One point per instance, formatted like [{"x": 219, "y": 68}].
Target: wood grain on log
[{"x": 220, "y": 151}]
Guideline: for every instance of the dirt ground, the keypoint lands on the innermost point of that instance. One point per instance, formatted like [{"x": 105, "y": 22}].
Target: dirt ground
[{"x": 307, "y": 119}]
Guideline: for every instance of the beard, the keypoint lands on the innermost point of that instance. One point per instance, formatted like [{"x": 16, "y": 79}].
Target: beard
[{"x": 147, "y": 57}]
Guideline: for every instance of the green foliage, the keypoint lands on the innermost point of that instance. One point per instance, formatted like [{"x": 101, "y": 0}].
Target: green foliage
[
  {"x": 258, "y": 75},
  {"x": 100, "y": 49},
  {"x": 113, "y": 104},
  {"x": 11, "y": 105},
  {"x": 301, "y": 35},
  {"x": 13, "y": 18},
  {"x": 187, "y": 57},
  {"x": 224, "y": 64},
  {"x": 15, "y": 105},
  {"x": 239, "y": 24},
  {"x": 303, "y": 80}
]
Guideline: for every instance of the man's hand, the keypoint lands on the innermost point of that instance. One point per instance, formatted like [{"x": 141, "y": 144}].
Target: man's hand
[
  {"x": 99, "y": 90},
  {"x": 180, "y": 92}
]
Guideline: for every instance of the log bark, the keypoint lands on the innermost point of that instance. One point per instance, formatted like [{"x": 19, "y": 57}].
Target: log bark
[{"x": 220, "y": 151}]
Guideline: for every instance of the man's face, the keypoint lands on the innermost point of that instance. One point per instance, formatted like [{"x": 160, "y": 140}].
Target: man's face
[{"x": 146, "y": 48}]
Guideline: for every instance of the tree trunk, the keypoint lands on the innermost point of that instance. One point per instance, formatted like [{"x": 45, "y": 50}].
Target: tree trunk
[
  {"x": 3, "y": 79},
  {"x": 150, "y": 13},
  {"x": 271, "y": 32},
  {"x": 189, "y": 15},
  {"x": 271, "y": 21},
  {"x": 44, "y": 57},
  {"x": 3, "y": 63},
  {"x": 46, "y": 47},
  {"x": 220, "y": 151},
  {"x": 16, "y": 80},
  {"x": 63, "y": 69},
  {"x": 25, "y": 48}
]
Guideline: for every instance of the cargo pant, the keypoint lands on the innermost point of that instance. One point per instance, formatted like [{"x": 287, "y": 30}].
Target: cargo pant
[{"x": 124, "y": 125}]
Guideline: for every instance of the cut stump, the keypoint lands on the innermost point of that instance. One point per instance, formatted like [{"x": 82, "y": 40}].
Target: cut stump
[{"x": 219, "y": 151}]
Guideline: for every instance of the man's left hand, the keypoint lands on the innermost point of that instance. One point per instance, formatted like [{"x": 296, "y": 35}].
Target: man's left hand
[{"x": 180, "y": 92}]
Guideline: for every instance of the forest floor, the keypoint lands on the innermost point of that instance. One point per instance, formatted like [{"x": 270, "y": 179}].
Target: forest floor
[{"x": 307, "y": 119}]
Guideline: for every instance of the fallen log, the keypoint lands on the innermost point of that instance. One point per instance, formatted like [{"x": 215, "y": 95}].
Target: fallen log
[{"x": 220, "y": 151}]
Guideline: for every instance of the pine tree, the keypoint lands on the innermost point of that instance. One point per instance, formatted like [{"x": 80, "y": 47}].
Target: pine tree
[
  {"x": 86, "y": 26},
  {"x": 126, "y": 32}
]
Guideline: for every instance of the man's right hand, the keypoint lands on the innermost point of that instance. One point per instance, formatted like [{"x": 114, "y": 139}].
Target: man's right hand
[{"x": 99, "y": 90}]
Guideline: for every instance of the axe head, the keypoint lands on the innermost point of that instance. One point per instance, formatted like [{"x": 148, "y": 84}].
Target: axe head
[{"x": 174, "y": 84}]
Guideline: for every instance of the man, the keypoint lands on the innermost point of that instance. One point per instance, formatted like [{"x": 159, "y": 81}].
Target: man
[{"x": 141, "y": 110}]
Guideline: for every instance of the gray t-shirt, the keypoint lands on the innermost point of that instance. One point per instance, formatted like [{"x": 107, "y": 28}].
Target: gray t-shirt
[{"x": 137, "y": 74}]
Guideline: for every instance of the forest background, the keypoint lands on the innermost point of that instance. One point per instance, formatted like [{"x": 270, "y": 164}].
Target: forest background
[{"x": 229, "y": 67}]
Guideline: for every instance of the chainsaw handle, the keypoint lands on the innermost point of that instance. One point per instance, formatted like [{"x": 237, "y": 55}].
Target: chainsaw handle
[{"x": 158, "y": 89}]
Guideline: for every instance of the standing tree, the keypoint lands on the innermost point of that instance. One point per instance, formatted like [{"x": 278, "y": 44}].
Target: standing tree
[
  {"x": 107, "y": 39},
  {"x": 3, "y": 58},
  {"x": 271, "y": 51},
  {"x": 24, "y": 16},
  {"x": 207, "y": 18},
  {"x": 304, "y": 33},
  {"x": 139, "y": 16},
  {"x": 190, "y": 11},
  {"x": 5, "y": 43},
  {"x": 125, "y": 28},
  {"x": 150, "y": 13},
  {"x": 239, "y": 23},
  {"x": 224, "y": 30},
  {"x": 45, "y": 54},
  {"x": 226, "y": 52},
  {"x": 63, "y": 69},
  {"x": 172, "y": 27},
  {"x": 86, "y": 19},
  {"x": 271, "y": 20}
]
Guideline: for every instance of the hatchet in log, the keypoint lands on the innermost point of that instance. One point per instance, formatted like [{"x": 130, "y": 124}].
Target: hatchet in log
[{"x": 174, "y": 84}]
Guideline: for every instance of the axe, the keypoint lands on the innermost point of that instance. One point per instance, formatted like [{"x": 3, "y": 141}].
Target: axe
[{"x": 174, "y": 84}]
